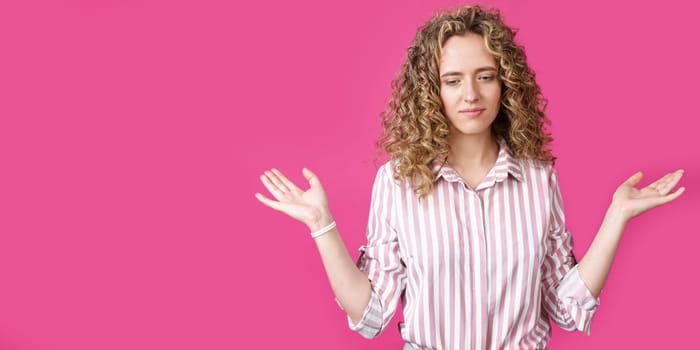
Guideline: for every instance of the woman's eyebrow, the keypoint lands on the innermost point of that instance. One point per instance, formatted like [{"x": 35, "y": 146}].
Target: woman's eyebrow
[{"x": 478, "y": 70}]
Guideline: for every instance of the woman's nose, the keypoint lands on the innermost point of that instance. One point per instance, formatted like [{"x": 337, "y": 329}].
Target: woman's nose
[{"x": 470, "y": 93}]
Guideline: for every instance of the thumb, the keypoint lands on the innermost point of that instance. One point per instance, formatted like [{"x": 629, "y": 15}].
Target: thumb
[
  {"x": 311, "y": 177},
  {"x": 634, "y": 179}
]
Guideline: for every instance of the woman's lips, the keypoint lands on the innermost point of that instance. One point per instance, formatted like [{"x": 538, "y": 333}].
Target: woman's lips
[{"x": 471, "y": 112}]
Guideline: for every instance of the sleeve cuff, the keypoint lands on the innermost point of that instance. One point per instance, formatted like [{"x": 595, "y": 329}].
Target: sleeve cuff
[
  {"x": 371, "y": 323},
  {"x": 577, "y": 300}
]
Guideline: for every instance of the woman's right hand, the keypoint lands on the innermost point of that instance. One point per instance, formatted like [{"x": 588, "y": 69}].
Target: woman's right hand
[{"x": 310, "y": 207}]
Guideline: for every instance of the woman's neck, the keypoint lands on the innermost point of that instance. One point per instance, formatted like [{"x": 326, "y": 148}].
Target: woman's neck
[{"x": 473, "y": 151}]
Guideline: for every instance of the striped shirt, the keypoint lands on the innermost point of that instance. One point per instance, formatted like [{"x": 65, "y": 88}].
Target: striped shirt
[{"x": 479, "y": 268}]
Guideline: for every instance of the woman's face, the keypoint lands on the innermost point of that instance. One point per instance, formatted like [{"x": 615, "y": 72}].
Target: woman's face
[{"x": 470, "y": 90}]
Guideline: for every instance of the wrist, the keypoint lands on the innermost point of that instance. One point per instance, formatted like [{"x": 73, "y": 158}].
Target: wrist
[
  {"x": 617, "y": 213},
  {"x": 323, "y": 220},
  {"x": 323, "y": 231}
]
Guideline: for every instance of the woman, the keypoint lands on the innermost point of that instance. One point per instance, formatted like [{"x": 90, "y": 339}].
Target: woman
[{"x": 466, "y": 225}]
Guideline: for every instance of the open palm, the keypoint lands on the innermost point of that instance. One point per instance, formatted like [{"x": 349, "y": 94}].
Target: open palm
[
  {"x": 635, "y": 201},
  {"x": 306, "y": 206}
]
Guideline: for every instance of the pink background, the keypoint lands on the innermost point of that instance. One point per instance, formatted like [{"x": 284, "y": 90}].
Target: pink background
[{"x": 133, "y": 134}]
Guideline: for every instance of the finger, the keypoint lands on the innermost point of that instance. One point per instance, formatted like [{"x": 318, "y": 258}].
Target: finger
[
  {"x": 268, "y": 202},
  {"x": 271, "y": 187},
  {"x": 669, "y": 183},
  {"x": 290, "y": 185},
  {"x": 654, "y": 187},
  {"x": 634, "y": 179},
  {"x": 311, "y": 177},
  {"x": 665, "y": 183},
  {"x": 277, "y": 181},
  {"x": 660, "y": 182},
  {"x": 670, "y": 197},
  {"x": 676, "y": 194}
]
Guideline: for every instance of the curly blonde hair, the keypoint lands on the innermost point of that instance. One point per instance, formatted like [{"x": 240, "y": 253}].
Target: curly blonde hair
[{"x": 415, "y": 128}]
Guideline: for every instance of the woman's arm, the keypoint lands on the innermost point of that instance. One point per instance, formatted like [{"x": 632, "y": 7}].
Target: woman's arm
[
  {"x": 627, "y": 203},
  {"x": 351, "y": 287}
]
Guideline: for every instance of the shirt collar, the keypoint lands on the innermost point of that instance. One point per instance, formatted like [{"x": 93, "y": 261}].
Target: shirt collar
[{"x": 505, "y": 164}]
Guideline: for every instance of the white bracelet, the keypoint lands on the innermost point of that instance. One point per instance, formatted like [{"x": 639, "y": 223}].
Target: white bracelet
[{"x": 323, "y": 231}]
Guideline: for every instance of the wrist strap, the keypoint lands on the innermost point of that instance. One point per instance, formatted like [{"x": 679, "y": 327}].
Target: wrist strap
[{"x": 323, "y": 231}]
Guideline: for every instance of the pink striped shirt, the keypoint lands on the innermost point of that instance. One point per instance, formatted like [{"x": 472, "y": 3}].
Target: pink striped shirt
[{"x": 476, "y": 268}]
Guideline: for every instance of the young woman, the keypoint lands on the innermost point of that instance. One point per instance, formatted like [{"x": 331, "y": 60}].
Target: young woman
[{"x": 466, "y": 226}]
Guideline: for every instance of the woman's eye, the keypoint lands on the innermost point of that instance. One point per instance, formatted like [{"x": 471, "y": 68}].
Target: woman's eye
[
  {"x": 488, "y": 77},
  {"x": 450, "y": 82}
]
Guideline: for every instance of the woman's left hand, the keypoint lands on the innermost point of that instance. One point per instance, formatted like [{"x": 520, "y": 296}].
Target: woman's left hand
[{"x": 632, "y": 201}]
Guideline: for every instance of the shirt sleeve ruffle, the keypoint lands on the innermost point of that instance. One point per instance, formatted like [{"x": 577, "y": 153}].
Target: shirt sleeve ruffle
[
  {"x": 576, "y": 300},
  {"x": 371, "y": 323}
]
